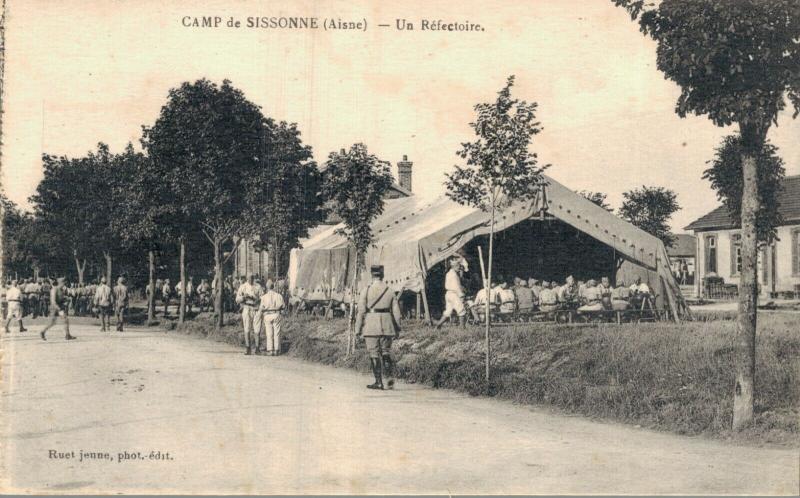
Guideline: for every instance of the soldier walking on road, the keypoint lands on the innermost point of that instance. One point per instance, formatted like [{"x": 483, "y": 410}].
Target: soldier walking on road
[
  {"x": 120, "y": 302},
  {"x": 57, "y": 307},
  {"x": 378, "y": 321}
]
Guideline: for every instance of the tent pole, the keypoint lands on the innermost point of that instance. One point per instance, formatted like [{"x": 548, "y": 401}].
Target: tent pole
[
  {"x": 671, "y": 299},
  {"x": 428, "y": 316},
  {"x": 419, "y": 304}
]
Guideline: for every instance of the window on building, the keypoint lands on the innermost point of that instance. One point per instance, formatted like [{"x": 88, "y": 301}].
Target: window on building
[
  {"x": 711, "y": 254},
  {"x": 736, "y": 254}
]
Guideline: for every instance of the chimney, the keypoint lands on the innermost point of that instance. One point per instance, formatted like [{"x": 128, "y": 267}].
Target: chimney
[{"x": 404, "y": 173}]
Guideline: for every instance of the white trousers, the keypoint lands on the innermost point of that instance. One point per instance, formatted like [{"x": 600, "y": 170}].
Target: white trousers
[
  {"x": 251, "y": 321},
  {"x": 272, "y": 329}
]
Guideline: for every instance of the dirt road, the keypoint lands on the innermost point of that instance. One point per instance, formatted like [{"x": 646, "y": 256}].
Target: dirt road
[{"x": 237, "y": 424}]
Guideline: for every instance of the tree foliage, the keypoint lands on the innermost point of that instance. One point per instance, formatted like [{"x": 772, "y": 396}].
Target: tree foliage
[
  {"x": 499, "y": 167},
  {"x": 354, "y": 183},
  {"x": 284, "y": 195},
  {"x": 650, "y": 208},
  {"x": 733, "y": 60},
  {"x": 726, "y": 178},
  {"x": 597, "y": 198},
  {"x": 203, "y": 147},
  {"x": 74, "y": 204}
]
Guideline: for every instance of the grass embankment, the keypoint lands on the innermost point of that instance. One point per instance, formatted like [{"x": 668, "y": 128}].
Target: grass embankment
[{"x": 671, "y": 377}]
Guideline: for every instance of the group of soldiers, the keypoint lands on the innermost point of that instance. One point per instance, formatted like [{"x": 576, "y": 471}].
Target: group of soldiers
[
  {"x": 524, "y": 297},
  {"x": 199, "y": 296},
  {"x": 261, "y": 306},
  {"x": 55, "y": 299}
]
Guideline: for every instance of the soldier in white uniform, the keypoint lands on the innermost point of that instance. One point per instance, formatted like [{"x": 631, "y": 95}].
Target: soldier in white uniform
[
  {"x": 270, "y": 311},
  {"x": 57, "y": 308},
  {"x": 14, "y": 299},
  {"x": 453, "y": 295},
  {"x": 378, "y": 321},
  {"x": 247, "y": 297}
]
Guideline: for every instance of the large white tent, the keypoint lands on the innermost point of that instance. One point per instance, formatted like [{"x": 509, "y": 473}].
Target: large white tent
[{"x": 413, "y": 235}]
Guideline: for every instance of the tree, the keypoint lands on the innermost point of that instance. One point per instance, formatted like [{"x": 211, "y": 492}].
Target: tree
[
  {"x": 354, "y": 184},
  {"x": 140, "y": 218},
  {"x": 26, "y": 246},
  {"x": 734, "y": 62},
  {"x": 725, "y": 177},
  {"x": 650, "y": 208},
  {"x": 204, "y": 146},
  {"x": 499, "y": 167},
  {"x": 598, "y": 198},
  {"x": 72, "y": 204},
  {"x": 284, "y": 197}
]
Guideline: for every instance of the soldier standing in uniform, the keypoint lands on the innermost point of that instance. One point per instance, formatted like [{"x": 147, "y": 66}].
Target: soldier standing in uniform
[
  {"x": 14, "y": 298},
  {"x": 32, "y": 289},
  {"x": 247, "y": 298},
  {"x": 378, "y": 321},
  {"x": 120, "y": 302},
  {"x": 102, "y": 300},
  {"x": 272, "y": 304},
  {"x": 44, "y": 297},
  {"x": 57, "y": 302},
  {"x": 166, "y": 291}
]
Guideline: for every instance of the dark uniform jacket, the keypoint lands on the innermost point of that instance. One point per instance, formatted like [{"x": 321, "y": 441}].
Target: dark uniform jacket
[{"x": 378, "y": 311}]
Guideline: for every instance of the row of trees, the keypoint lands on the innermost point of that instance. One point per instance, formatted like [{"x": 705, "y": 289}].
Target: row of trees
[{"x": 213, "y": 171}]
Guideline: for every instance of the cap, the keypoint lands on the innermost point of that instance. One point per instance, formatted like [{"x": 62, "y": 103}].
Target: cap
[{"x": 376, "y": 271}]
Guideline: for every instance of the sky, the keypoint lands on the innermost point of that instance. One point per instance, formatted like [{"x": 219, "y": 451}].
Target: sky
[{"x": 79, "y": 72}]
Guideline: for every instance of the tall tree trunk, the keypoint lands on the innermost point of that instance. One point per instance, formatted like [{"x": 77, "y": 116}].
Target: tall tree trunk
[
  {"x": 182, "y": 302},
  {"x": 276, "y": 271},
  {"x": 489, "y": 294},
  {"x": 218, "y": 276},
  {"x": 81, "y": 268},
  {"x": 107, "y": 256},
  {"x": 151, "y": 299},
  {"x": 745, "y": 354}
]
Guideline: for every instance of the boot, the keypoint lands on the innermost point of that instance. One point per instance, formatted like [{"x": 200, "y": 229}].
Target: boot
[
  {"x": 388, "y": 371},
  {"x": 376, "y": 371},
  {"x": 69, "y": 337},
  {"x": 248, "y": 352},
  {"x": 462, "y": 320},
  {"x": 21, "y": 328}
]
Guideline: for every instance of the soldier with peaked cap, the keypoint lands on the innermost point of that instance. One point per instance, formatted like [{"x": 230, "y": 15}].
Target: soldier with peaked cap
[
  {"x": 58, "y": 300},
  {"x": 378, "y": 321}
]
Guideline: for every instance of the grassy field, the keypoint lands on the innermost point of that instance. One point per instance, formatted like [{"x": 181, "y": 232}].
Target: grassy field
[{"x": 671, "y": 377}]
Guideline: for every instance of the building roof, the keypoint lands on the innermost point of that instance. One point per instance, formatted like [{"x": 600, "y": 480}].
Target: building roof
[
  {"x": 788, "y": 207},
  {"x": 683, "y": 246}
]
